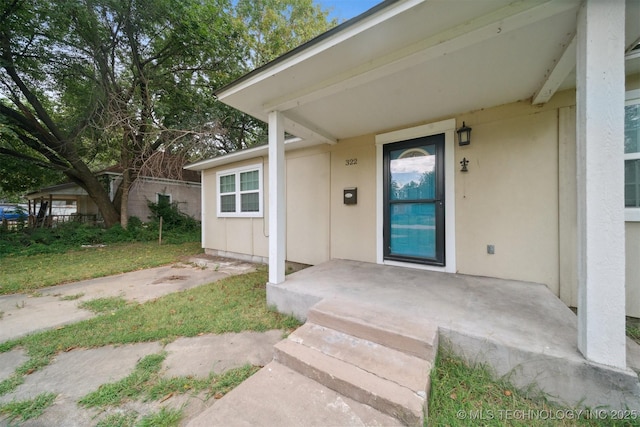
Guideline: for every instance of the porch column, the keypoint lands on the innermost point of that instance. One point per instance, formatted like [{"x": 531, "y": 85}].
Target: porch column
[
  {"x": 277, "y": 208},
  {"x": 600, "y": 147}
]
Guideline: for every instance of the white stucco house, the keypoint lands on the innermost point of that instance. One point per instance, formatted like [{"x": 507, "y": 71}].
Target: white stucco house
[{"x": 547, "y": 190}]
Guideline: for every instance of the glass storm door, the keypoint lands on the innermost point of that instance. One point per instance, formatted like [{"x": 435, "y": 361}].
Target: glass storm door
[{"x": 414, "y": 200}]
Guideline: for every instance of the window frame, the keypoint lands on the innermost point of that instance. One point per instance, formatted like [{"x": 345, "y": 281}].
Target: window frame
[
  {"x": 632, "y": 97},
  {"x": 158, "y": 195},
  {"x": 236, "y": 172}
]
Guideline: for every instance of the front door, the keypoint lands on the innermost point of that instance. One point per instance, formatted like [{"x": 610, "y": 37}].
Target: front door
[{"x": 414, "y": 200}]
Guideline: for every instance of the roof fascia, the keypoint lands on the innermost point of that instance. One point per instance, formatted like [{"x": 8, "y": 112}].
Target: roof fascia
[
  {"x": 167, "y": 180},
  {"x": 250, "y": 153}
]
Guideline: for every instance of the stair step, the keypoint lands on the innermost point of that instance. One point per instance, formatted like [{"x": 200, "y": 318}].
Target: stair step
[
  {"x": 390, "y": 364},
  {"x": 354, "y": 382},
  {"x": 391, "y": 329}
]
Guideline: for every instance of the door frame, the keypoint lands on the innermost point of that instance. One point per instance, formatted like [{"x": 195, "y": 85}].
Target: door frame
[{"x": 448, "y": 128}]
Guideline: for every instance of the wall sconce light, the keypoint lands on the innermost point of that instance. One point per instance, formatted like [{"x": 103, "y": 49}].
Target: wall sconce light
[
  {"x": 464, "y": 135},
  {"x": 464, "y": 164}
]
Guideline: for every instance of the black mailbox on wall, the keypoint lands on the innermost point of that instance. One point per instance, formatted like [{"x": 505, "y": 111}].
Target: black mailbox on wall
[{"x": 350, "y": 196}]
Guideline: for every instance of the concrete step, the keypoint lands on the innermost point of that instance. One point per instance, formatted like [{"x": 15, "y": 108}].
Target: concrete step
[
  {"x": 390, "y": 364},
  {"x": 386, "y": 379},
  {"x": 391, "y": 329}
]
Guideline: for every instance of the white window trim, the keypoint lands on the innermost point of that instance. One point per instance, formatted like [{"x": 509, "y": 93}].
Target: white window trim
[
  {"x": 632, "y": 214},
  {"x": 237, "y": 172},
  {"x": 163, "y": 194},
  {"x": 448, "y": 128}
]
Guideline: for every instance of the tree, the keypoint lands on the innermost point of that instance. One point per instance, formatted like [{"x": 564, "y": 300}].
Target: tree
[
  {"x": 89, "y": 83},
  {"x": 270, "y": 29},
  {"x": 92, "y": 79},
  {"x": 277, "y": 26}
]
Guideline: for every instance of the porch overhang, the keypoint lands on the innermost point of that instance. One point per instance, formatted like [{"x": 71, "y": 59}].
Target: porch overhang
[{"x": 413, "y": 61}]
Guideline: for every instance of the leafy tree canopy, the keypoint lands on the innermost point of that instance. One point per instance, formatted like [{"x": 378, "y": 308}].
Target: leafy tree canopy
[{"x": 91, "y": 83}]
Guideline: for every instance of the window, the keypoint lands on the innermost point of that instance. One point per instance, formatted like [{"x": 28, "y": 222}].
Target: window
[
  {"x": 163, "y": 198},
  {"x": 632, "y": 156},
  {"x": 240, "y": 192}
]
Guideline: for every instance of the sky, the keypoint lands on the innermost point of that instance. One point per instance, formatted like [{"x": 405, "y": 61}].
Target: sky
[{"x": 344, "y": 10}]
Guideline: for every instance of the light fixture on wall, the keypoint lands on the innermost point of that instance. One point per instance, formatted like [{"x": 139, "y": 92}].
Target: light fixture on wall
[
  {"x": 464, "y": 164},
  {"x": 464, "y": 135}
]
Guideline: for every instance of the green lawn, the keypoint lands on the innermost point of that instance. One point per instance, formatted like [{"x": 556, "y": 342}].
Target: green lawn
[
  {"x": 460, "y": 395},
  {"x": 233, "y": 304},
  {"x": 26, "y": 274}
]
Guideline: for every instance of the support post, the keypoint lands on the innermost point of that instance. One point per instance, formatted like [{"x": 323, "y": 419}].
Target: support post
[
  {"x": 600, "y": 181},
  {"x": 277, "y": 207}
]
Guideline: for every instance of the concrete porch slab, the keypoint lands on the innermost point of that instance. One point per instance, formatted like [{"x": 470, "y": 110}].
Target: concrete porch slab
[{"x": 521, "y": 329}]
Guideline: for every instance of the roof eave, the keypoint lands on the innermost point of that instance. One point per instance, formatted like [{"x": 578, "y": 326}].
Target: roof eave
[
  {"x": 247, "y": 154},
  {"x": 221, "y": 92}
]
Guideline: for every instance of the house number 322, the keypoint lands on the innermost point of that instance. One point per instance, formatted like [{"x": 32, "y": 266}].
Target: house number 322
[{"x": 351, "y": 162}]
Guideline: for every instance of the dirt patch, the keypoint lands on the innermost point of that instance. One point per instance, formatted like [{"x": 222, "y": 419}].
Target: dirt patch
[{"x": 171, "y": 278}]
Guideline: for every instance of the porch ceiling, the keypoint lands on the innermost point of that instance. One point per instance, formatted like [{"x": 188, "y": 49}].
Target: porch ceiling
[{"x": 412, "y": 61}]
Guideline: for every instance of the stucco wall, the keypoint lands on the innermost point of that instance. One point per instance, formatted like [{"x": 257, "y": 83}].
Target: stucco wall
[
  {"x": 509, "y": 196},
  {"x": 353, "y": 227},
  {"x": 246, "y": 236},
  {"x": 308, "y": 226},
  {"x": 307, "y": 194}
]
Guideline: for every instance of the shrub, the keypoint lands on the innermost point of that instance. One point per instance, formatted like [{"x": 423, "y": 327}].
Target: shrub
[
  {"x": 179, "y": 228},
  {"x": 172, "y": 217}
]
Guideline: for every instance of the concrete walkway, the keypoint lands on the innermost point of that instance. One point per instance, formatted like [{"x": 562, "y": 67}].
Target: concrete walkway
[
  {"x": 73, "y": 374},
  {"x": 25, "y": 314}
]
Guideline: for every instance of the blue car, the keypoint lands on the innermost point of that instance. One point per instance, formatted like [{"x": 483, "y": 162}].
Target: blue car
[{"x": 12, "y": 213}]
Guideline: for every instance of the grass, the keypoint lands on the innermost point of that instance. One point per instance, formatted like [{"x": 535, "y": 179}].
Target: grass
[
  {"x": 164, "y": 418},
  {"x": 72, "y": 297},
  {"x": 467, "y": 395},
  {"x": 130, "y": 387},
  {"x": 633, "y": 329},
  {"x": 127, "y": 419},
  {"x": 104, "y": 305},
  {"x": 26, "y": 274},
  {"x": 26, "y": 409},
  {"x": 234, "y": 304},
  {"x": 145, "y": 383}
]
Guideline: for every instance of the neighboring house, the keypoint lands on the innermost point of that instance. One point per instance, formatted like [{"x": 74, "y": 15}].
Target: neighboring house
[
  {"x": 183, "y": 190},
  {"x": 548, "y": 190}
]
